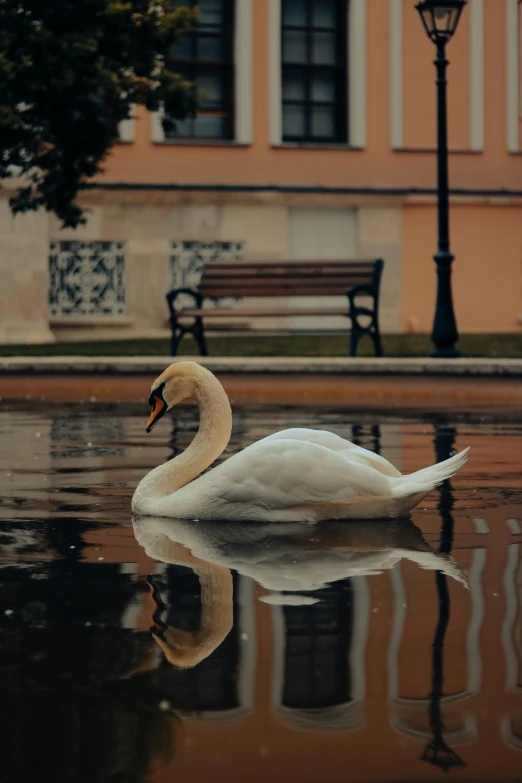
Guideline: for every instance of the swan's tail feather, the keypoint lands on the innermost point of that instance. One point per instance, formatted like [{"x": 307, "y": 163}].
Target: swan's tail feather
[{"x": 423, "y": 481}]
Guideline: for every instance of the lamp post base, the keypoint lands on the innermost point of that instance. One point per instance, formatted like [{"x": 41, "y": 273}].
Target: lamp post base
[
  {"x": 445, "y": 353},
  {"x": 444, "y": 335}
]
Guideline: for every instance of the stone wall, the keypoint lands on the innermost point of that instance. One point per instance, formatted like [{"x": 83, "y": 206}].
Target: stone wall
[
  {"x": 142, "y": 227},
  {"x": 24, "y": 249}
]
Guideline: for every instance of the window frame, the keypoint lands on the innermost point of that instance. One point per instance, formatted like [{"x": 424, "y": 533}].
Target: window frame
[{"x": 308, "y": 69}]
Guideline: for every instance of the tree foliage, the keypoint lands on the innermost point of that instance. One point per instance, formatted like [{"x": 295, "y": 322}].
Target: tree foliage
[{"x": 70, "y": 71}]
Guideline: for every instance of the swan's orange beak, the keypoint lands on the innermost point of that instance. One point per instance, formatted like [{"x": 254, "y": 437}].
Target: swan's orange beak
[{"x": 158, "y": 409}]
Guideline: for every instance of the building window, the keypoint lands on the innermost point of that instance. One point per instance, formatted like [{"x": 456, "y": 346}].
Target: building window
[
  {"x": 86, "y": 279},
  {"x": 314, "y": 70},
  {"x": 206, "y": 57}
]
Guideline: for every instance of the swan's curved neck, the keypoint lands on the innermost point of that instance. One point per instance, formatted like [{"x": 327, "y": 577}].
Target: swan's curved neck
[{"x": 212, "y": 438}]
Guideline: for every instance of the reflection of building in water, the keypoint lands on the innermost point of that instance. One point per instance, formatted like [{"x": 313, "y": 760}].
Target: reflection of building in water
[
  {"x": 512, "y": 637},
  {"x": 409, "y": 686},
  {"x": 85, "y": 436},
  {"x": 318, "y": 666},
  {"x": 317, "y": 644}
]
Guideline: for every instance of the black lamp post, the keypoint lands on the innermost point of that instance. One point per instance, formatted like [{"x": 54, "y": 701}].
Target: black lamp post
[{"x": 440, "y": 20}]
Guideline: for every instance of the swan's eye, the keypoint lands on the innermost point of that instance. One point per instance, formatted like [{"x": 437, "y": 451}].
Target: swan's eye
[
  {"x": 157, "y": 394},
  {"x": 158, "y": 405}
]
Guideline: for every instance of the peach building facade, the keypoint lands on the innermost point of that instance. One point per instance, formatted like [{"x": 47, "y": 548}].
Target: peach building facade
[{"x": 317, "y": 140}]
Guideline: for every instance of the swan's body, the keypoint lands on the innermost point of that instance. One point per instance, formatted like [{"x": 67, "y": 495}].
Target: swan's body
[{"x": 297, "y": 475}]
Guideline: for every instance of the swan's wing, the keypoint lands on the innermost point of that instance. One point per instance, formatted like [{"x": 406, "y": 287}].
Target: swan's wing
[
  {"x": 336, "y": 443},
  {"x": 280, "y": 473}
]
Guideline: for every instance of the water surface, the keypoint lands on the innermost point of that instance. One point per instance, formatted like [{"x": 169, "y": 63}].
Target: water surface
[{"x": 161, "y": 651}]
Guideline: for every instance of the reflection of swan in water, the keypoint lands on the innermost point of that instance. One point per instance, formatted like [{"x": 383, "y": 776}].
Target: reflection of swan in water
[
  {"x": 289, "y": 557},
  {"x": 187, "y": 648},
  {"x": 297, "y": 475}
]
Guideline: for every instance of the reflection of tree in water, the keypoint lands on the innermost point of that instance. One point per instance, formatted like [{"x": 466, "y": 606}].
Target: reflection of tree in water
[
  {"x": 437, "y": 752},
  {"x": 82, "y": 733},
  {"x": 72, "y": 708}
]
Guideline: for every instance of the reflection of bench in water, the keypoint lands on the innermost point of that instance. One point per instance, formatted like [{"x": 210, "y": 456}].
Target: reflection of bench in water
[{"x": 319, "y": 658}]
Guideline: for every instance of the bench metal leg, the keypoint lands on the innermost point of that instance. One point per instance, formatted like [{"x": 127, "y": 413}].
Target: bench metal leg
[
  {"x": 356, "y": 336},
  {"x": 198, "y": 331},
  {"x": 376, "y": 337},
  {"x": 354, "y": 341},
  {"x": 175, "y": 339}
]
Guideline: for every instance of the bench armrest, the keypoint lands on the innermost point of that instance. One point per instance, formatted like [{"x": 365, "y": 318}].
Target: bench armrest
[
  {"x": 360, "y": 290},
  {"x": 172, "y": 296},
  {"x": 368, "y": 289}
]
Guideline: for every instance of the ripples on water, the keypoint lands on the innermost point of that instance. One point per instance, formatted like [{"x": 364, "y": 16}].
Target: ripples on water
[{"x": 377, "y": 651}]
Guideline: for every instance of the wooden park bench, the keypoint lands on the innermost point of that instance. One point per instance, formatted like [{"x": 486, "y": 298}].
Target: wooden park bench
[{"x": 270, "y": 279}]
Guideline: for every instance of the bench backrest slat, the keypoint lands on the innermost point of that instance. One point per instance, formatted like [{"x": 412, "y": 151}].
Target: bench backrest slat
[{"x": 285, "y": 278}]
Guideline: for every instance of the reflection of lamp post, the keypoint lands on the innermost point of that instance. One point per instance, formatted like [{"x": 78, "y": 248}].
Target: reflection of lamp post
[
  {"x": 437, "y": 752},
  {"x": 440, "y": 18}
]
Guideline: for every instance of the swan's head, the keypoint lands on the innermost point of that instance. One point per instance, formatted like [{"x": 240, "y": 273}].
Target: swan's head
[
  {"x": 183, "y": 649},
  {"x": 170, "y": 388}
]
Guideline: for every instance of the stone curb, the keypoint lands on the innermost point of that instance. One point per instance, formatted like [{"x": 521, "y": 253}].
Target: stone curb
[{"x": 143, "y": 365}]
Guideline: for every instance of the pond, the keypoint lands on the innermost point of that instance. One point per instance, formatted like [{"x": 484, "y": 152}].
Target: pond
[{"x": 156, "y": 650}]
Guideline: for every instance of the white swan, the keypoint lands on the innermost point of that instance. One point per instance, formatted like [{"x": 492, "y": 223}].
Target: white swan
[{"x": 297, "y": 475}]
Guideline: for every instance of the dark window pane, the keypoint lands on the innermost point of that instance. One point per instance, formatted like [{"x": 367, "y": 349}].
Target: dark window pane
[
  {"x": 211, "y": 85},
  {"x": 323, "y": 87},
  {"x": 209, "y": 126},
  {"x": 183, "y": 50},
  {"x": 210, "y": 48},
  {"x": 294, "y": 47},
  {"x": 324, "y": 48},
  {"x": 294, "y": 123},
  {"x": 211, "y": 12},
  {"x": 183, "y": 128},
  {"x": 294, "y": 12},
  {"x": 323, "y": 122},
  {"x": 324, "y": 13},
  {"x": 294, "y": 87}
]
